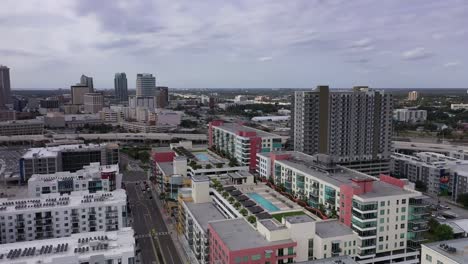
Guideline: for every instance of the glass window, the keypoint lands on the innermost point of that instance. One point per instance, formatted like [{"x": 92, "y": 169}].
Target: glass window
[
  {"x": 402, "y": 235},
  {"x": 403, "y": 209},
  {"x": 439, "y": 262},
  {"x": 237, "y": 260},
  {"x": 245, "y": 258},
  {"x": 382, "y": 203},
  {"x": 382, "y": 212},
  {"x": 428, "y": 257},
  {"x": 403, "y": 201},
  {"x": 256, "y": 257}
]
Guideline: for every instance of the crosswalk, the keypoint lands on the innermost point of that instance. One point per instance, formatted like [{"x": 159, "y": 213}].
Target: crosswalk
[{"x": 149, "y": 235}]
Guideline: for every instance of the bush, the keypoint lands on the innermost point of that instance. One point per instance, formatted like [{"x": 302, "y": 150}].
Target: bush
[
  {"x": 252, "y": 219},
  {"x": 243, "y": 212}
]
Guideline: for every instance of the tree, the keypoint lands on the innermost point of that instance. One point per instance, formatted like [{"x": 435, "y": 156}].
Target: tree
[
  {"x": 420, "y": 186},
  {"x": 243, "y": 212},
  {"x": 463, "y": 199},
  {"x": 219, "y": 165},
  {"x": 231, "y": 200},
  {"x": 237, "y": 205},
  {"x": 208, "y": 166},
  {"x": 219, "y": 188},
  {"x": 433, "y": 224},
  {"x": 443, "y": 232},
  {"x": 252, "y": 219},
  {"x": 225, "y": 194}
]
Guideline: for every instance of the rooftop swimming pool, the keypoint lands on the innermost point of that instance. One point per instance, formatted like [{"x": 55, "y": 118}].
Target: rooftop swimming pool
[
  {"x": 263, "y": 202},
  {"x": 202, "y": 157}
]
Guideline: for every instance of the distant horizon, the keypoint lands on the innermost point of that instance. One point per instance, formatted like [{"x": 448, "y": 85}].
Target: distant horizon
[{"x": 246, "y": 88}]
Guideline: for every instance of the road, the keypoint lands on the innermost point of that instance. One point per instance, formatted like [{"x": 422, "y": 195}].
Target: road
[{"x": 147, "y": 220}]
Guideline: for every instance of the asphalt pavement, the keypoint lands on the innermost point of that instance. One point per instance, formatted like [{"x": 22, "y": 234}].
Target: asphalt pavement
[{"x": 152, "y": 234}]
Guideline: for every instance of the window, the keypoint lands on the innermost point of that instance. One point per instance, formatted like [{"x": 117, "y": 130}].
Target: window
[
  {"x": 402, "y": 226},
  {"x": 380, "y": 247},
  {"x": 403, "y": 209},
  {"x": 428, "y": 257},
  {"x": 245, "y": 258},
  {"x": 439, "y": 262},
  {"x": 402, "y": 235},
  {"x": 381, "y": 229},
  {"x": 403, "y": 201},
  {"x": 380, "y": 239},
  {"x": 403, "y": 218},
  {"x": 382, "y": 220},
  {"x": 324, "y": 247},
  {"x": 256, "y": 257},
  {"x": 382, "y": 203},
  {"x": 397, "y": 202},
  {"x": 382, "y": 212},
  {"x": 268, "y": 254},
  {"x": 402, "y": 244}
]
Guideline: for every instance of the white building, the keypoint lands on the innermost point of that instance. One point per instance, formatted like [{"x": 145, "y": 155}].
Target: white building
[
  {"x": 240, "y": 98},
  {"x": 91, "y": 178},
  {"x": 93, "y": 102},
  {"x": 458, "y": 106},
  {"x": 445, "y": 252},
  {"x": 379, "y": 210},
  {"x": 145, "y": 85},
  {"x": 53, "y": 215},
  {"x": 409, "y": 115},
  {"x": 112, "y": 247},
  {"x": 149, "y": 102},
  {"x": 413, "y": 96}
]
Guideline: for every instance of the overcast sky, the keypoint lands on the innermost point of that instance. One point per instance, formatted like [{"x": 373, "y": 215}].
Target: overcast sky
[{"x": 237, "y": 43}]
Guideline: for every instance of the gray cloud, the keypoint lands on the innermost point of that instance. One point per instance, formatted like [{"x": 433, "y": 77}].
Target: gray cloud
[
  {"x": 117, "y": 44},
  {"x": 19, "y": 53}
]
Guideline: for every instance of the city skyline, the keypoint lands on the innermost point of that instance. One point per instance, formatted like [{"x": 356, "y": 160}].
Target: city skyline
[{"x": 246, "y": 44}]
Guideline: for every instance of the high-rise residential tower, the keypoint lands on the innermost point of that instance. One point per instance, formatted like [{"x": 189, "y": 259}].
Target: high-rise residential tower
[
  {"x": 87, "y": 81},
  {"x": 353, "y": 126},
  {"x": 5, "y": 89},
  {"x": 120, "y": 86},
  {"x": 163, "y": 96},
  {"x": 146, "y": 85}
]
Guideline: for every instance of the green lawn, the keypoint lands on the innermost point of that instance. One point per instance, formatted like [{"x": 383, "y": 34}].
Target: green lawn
[{"x": 280, "y": 216}]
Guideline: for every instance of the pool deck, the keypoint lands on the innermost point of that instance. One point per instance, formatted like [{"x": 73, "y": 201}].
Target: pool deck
[{"x": 278, "y": 200}]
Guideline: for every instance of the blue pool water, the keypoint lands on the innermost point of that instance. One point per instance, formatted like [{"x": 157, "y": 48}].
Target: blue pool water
[
  {"x": 202, "y": 157},
  {"x": 263, "y": 202}
]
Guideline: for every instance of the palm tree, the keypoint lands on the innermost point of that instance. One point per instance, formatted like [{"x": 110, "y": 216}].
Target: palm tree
[
  {"x": 252, "y": 219},
  {"x": 231, "y": 200},
  {"x": 225, "y": 194},
  {"x": 243, "y": 212},
  {"x": 237, "y": 205},
  {"x": 219, "y": 188}
]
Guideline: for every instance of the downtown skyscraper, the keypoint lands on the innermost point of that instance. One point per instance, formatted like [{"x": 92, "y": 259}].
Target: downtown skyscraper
[
  {"x": 146, "y": 85},
  {"x": 353, "y": 127},
  {"x": 121, "y": 87},
  {"x": 5, "y": 89},
  {"x": 87, "y": 81}
]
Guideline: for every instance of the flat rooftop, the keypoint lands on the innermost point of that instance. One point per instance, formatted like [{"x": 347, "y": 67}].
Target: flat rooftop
[
  {"x": 298, "y": 219},
  {"x": 203, "y": 213},
  {"x": 333, "y": 260},
  {"x": 91, "y": 171},
  {"x": 53, "y": 151},
  {"x": 167, "y": 168},
  {"x": 335, "y": 175},
  {"x": 75, "y": 248},
  {"x": 333, "y": 228},
  {"x": 234, "y": 128},
  {"x": 459, "y": 256},
  {"x": 272, "y": 224},
  {"x": 238, "y": 234},
  {"x": 75, "y": 199}
]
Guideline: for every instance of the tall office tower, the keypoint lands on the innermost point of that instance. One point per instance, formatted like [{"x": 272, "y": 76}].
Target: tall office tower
[
  {"x": 87, "y": 81},
  {"x": 413, "y": 96},
  {"x": 353, "y": 126},
  {"x": 93, "y": 102},
  {"x": 163, "y": 97},
  {"x": 5, "y": 89},
  {"x": 77, "y": 93},
  {"x": 146, "y": 85},
  {"x": 120, "y": 87}
]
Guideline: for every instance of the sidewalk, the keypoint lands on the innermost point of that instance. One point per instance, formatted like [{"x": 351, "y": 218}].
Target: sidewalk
[{"x": 170, "y": 227}]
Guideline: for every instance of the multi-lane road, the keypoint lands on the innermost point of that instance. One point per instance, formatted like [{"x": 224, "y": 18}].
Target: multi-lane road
[{"x": 152, "y": 234}]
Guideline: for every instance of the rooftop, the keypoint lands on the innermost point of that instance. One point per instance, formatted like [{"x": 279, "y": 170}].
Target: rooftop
[
  {"x": 75, "y": 199},
  {"x": 272, "y": 224},
  {"x": 333, "y": 228},
  {"x": 75, "y": 248},
  {"x": 452, "y": 249},
  {"x": 234, "y": 128},
  {"x": 298, "y": 219},
  {"x": 21, "y": 122},
  {"x": 53, "y": 151},
  {"x": 334, "y": 260},
  {"x": 319, "y": 167},
  {"x": 203, "y": 213},
  {"x": 93, "y": 170},
  {"x": 167, "y": 168},
  {"x": 238, "y": 234}
]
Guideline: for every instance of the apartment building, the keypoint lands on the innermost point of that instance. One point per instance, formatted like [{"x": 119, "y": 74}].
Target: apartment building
[
  {"x": 109, "y": 247},
  {"x": 92, "y": 178},
  {"x": 445, "y": 252},
  {"x": 53, "y": 215},
  {"x": 353, "y": 127},
  {"x": 21, "y": 127},
  {"x": 71, "y": 158},
  {"x": 237, "y": 241},
  {"x": 174, "y": 166},
  {"x": 242, "y": 143},
  {"x": 410, "y": 115},
  {"x": 440, "y": 174},
  {"x": 376, "y": 209},
  {"x": 410, "y": 148}
]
